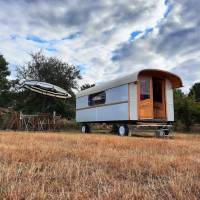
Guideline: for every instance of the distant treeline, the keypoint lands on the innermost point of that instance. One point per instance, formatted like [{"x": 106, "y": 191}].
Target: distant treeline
[
  {"x": 41, "y": 68},
  {"x": 55, "y": 71},
  {"x": 187, "y": 108}
]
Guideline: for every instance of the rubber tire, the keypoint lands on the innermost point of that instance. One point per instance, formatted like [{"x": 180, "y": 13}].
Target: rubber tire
[
  {"x": 115, "y": 128},
  {"x": 167, "y": 132},
  {"x": 123, "y": 130},
  {"x": 85, "y": 128}
]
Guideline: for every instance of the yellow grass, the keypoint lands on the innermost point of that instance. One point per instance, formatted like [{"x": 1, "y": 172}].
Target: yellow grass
[{"x": 75, "y": 166}]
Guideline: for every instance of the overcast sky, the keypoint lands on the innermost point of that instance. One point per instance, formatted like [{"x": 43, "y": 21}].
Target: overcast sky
[{"x": 105, "y": 38}]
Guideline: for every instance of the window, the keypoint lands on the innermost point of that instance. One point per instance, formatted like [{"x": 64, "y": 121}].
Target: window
[
  {"x": 96, "y": 99},
  {"x": 157, "y": 90},
  {"x": 145, "y": 89}
]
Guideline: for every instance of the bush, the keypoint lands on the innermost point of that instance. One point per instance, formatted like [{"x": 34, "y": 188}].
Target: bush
[
  {"x": 187, "y": 111},
  {"x": 4, "y": 119}
]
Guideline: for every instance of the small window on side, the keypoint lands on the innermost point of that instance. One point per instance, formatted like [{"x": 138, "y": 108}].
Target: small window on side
[
  {"x": 145, "y": 89},
  {"x": 97, "y": 98}
]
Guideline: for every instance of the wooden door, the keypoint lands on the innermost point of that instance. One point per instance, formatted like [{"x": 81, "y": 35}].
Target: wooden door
[
  {"x": 159, "y": 102},
  {"x": 145, "y": 98}
]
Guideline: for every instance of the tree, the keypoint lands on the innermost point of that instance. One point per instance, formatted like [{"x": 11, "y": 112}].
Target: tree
[
  {"x": 86, "y": 86},
  {"x": 186, "y": 109},
  {"x": 4, "y": 83},
  {"x": 51, "y": 70},
  {"x": 195, "y": 92},
  {"x": 4, "y": 73}
]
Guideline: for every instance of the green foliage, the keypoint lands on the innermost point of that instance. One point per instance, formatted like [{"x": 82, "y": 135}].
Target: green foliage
[
  {"x": 4, "y": 120},
  {"x": 86, "y": 86},
  {"x": 4, "y": 83},
  {"x": 195, "y": 92},
  {"x": 4, "y": 73},
  {"x": 187, "y": 111},
  {"x": 50, "y": 70}
]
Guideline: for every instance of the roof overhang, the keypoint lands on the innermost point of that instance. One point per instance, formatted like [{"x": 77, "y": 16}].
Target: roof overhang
[
  {"x": 173, "y": 78},
  {"x": 131, "y": 78}
]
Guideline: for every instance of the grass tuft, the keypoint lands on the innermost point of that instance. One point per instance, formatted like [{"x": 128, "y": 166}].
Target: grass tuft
[{"x": 75, "y": 166}]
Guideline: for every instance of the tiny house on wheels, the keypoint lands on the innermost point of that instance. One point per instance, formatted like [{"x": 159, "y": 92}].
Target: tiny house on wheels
[{"x": 141, "y": 99}]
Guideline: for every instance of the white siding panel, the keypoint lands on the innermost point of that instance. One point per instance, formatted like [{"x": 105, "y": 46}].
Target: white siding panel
[
  {"x": 82, "y": 102},
  {"x": 86, "y": 115},
  {"x": 113, "y": 95},
  {"x": 113, "y": 112},
  {"x": 133, "y": 101},
  {"x": 103, "y": 113},
  {"x": 169, "y": 101},
  {"x": 117, "y": 94}
]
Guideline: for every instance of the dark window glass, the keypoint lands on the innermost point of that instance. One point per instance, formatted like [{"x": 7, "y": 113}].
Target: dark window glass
[
  {"x": 145, "y": 89},
  {"x": 157, "y": 90},
  {"x": 96, "y": 99}
]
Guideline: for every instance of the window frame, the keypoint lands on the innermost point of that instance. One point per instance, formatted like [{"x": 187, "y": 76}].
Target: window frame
[
  {"x": 93, "y": 102},
  {"x": 147, "y": 94}
]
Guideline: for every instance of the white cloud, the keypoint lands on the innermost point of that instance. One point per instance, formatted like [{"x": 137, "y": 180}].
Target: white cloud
[{"x": 104, "y": 29}]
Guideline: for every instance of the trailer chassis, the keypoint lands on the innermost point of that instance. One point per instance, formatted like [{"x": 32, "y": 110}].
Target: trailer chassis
[{"x": 161, "y": 129}]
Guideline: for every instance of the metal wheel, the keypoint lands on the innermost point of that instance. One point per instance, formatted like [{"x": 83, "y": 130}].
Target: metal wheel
[
  {"x": 160, "y": 133},
  {"x": 123, "y": 130},
  {"x": 85, "y": 128}
]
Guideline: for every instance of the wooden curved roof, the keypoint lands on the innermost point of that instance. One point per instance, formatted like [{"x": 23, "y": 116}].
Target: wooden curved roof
[
  {"x": 133, "y": 77},
  {"x": 175, "y": 79}
]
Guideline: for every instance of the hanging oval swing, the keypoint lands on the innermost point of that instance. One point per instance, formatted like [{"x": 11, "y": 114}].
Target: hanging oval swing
[{"x": 46, "y": 89}]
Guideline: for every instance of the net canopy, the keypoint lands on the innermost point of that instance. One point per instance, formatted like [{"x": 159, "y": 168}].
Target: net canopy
[{"x": 46, "y": 89}]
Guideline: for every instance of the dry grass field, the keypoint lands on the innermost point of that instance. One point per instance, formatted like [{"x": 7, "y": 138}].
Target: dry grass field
[{"x": 75, "y": 166}]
